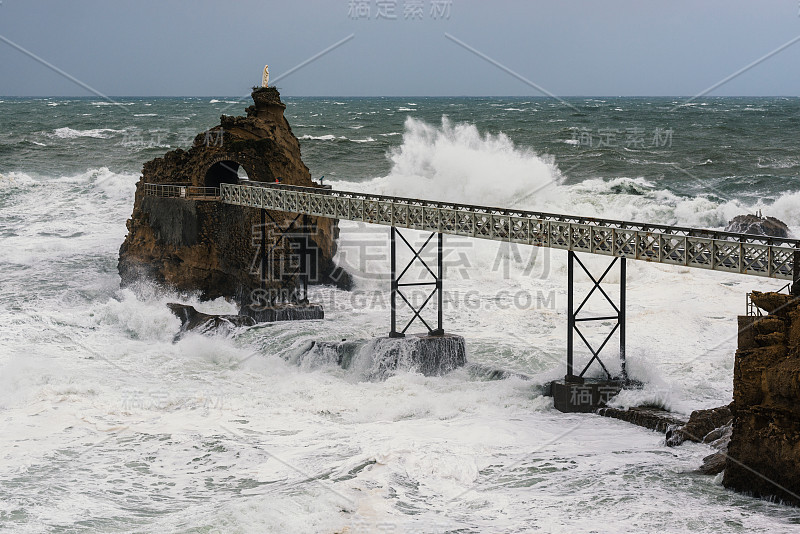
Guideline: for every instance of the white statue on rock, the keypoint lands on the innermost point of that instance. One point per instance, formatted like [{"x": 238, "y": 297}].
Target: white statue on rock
[{"x": 265, "y": 79}]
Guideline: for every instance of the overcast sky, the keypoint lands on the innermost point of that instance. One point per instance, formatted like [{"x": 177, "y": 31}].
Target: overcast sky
[{"x": 565, "y": 47}]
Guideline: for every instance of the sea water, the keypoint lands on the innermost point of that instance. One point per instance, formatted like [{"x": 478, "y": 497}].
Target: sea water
[{"x": 106, "y": 425}]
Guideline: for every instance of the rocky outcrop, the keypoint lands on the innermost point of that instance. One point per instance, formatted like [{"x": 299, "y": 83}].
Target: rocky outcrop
[
  {"x": 702, "y": 427},
  {"x": 208, "y": 247},
  {"x": 764, "y": 451},
  {"x": 758, "y": 225},
  {"x": 203, "y": 323},
  {"x": 644, "y": 416}
]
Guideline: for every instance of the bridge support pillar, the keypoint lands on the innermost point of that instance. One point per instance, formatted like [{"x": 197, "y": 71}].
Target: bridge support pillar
[
  {"x": 434, "y": 280},
  {"x": 573, "y": 319},
  {"x": 284, "y": 267}
]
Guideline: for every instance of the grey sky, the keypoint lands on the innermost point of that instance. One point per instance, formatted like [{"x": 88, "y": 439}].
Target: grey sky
[{"x": 569, "y": 47}]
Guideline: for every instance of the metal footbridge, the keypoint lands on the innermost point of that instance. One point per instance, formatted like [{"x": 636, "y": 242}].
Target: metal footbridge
[
  {"x": 748, "y": 254},
  {"x": 713, "y": 250}
]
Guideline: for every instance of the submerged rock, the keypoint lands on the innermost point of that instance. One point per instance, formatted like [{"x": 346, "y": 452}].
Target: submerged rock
[
  {"x": 203, "y": 323},
  {"x": 758, "y": 225},
  {"x": 714, "y": 464}
]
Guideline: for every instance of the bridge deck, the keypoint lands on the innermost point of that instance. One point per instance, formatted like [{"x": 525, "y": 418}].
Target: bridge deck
[{"x": 691, "y": 247}]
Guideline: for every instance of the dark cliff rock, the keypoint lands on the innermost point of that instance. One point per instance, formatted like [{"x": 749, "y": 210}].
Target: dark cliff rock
[
  {"x": 764, "y": 451},
  {"x": 758, "y": 225},
  {"x": 210, "y": 247}
]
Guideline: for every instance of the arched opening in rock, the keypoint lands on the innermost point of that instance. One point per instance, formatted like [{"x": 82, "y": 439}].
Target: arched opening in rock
[{"x": 224, "y": 172}]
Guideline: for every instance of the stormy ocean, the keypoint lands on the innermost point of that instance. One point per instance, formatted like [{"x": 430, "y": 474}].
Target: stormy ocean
[{"x": 106, "y": 425}]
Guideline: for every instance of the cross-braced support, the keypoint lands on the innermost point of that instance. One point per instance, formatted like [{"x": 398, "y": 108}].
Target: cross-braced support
[
  {"x": 573, "y": 319},
  {"x": 397, "y": 285},
  {"x": 295, "y": 236}
]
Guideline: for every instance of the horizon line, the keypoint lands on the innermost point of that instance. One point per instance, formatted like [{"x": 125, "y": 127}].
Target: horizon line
[{"x": 538, "y": 97}]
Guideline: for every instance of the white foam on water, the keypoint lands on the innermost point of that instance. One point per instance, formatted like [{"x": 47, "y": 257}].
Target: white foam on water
[
  {"x": 110, "y": 420},
  {"x": 97, "y": 133},
  {"x": 329, "y": 137}
]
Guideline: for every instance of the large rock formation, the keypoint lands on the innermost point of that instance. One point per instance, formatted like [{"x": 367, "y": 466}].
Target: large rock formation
[
  {"x": 764, "y": 451},
  {"x": 208, "y": 246}
]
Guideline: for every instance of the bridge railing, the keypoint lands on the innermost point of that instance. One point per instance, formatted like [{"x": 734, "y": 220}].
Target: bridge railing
[
  {"x": 611, "y": 223},
  {"x": 691, "y": 247},
  {"x": 182, "y": 191}
]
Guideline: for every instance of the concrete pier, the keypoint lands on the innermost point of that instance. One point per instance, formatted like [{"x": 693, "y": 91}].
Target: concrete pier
[
  {"x": 586, "y": 395},
  {"x": 378, "y": 358}
]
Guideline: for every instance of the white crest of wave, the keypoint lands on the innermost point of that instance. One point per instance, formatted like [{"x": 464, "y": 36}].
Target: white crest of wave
[
  {"x": 98, "y": 133},
  {"x": 455, "y": 163}
]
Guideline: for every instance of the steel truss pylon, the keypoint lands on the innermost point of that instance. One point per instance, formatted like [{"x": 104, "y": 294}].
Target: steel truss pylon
[
  {"x": 397, "y": 284},
  {"x": 573, "y": 319}
]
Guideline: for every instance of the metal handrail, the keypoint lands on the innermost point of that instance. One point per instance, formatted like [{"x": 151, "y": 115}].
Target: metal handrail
[
  {"x": 751, "y": 309},
  {"x": 690, "y": 247},
  {"x": 611, "y": 223},
  {"x": 179, "y": 190}
]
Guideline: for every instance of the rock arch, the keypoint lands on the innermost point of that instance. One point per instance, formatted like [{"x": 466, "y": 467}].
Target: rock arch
[{"x": 223, "y": 170}]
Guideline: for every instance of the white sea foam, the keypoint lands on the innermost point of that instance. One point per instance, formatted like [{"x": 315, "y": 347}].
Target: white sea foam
[
  {"x": 91, "y": 380},
  {"x": 98, "y": 133},
  {"x": 455, "y": 162},
  {"x": 329, "y": 137},
  {"x": 104, "y": 103}
]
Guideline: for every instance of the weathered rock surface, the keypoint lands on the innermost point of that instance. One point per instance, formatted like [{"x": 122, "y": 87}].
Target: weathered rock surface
[
  {"x": 203, "y": 323},
  {"x": 207, "y": 246},
  {"x": 758, "y": 225},
  {"x": 652, "y": 418},
  {"x": 764, "y": 451},
  {"x": 775, "y": 304},
  {"x": 714, "y": 464},
  {"x": 703, "y": 426}
]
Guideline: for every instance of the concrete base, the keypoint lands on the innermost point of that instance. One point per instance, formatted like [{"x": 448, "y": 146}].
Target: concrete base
[
  {"x": 376, "y": 359},
  {"x": 284, "y": 312},
  {"x": 585, "y": 396},
  {"x": 430, "y": 355}
]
